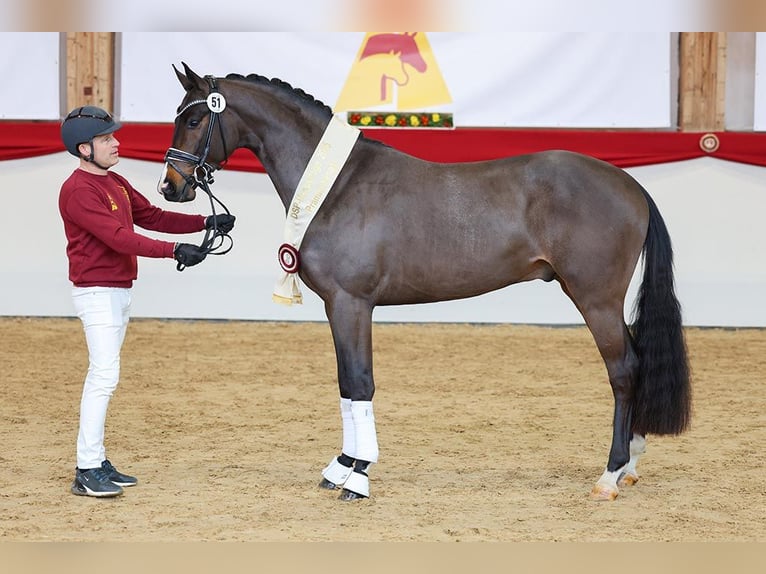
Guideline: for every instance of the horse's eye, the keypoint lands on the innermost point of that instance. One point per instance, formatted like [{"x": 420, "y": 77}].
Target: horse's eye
[{"x": 193, "y": 123}]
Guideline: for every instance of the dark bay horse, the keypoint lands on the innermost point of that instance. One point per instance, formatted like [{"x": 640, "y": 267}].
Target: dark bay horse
[{"x": 397, "y": 230}]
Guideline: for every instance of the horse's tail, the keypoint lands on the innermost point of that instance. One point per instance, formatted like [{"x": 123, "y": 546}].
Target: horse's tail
[{"x": 662, "y": 390}]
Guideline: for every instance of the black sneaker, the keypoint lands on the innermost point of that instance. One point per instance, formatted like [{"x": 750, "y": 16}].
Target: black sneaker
[
  {"x": 94, "y": 482},
  {"x": 116, "y": 476}
]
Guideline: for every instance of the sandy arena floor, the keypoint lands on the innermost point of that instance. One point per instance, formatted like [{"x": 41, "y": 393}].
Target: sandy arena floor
[{"x": 487, "y": 433}]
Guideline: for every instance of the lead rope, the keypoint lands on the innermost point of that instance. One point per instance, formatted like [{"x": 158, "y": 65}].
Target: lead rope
[{"x": 215, "y": 239}]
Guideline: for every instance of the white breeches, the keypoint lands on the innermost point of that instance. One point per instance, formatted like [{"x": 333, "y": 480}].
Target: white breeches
[{"x": 104, "y": 312}]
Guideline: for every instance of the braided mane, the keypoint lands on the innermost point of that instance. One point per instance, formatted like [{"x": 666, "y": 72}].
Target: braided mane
[
  {"x": 284, "y": 86},
  {"x": 295, "y": 92}
]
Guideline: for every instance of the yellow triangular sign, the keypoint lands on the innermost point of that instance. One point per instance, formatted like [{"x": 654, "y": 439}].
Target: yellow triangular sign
[{"x": 394, "y": 69}]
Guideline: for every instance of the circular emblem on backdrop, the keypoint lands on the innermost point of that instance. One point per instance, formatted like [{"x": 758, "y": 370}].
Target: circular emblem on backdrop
[
  {"x": 216, "y": 102},
  {"x": 709, "y": 143},
  {"x": 289, "y": 259}
]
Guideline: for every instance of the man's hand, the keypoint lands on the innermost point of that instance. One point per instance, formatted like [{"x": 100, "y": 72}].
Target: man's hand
[
  {"x": 221, "y": 221},
  {"x": 187, "y": 254}
]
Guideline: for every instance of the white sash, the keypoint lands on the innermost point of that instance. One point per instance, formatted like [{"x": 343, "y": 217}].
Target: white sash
[{"x": 323, "y": 168}]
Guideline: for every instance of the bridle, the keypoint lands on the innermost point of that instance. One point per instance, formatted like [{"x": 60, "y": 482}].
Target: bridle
[{"x": 202, "y": 174}]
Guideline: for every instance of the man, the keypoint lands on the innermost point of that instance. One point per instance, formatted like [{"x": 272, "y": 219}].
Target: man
[{"x": 99, "y": 209}]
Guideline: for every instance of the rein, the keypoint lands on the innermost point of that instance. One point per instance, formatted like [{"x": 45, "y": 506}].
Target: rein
[{"x": 202, "y": 175}]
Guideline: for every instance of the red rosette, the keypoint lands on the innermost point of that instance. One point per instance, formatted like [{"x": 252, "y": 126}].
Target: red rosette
[{"x": 289, "y": 259}]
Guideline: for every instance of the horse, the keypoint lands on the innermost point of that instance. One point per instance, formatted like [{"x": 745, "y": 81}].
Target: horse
[{"x": 398, "y": 230}]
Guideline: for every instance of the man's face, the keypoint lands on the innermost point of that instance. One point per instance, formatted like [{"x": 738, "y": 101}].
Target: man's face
[{"x": 105, "y": 150}]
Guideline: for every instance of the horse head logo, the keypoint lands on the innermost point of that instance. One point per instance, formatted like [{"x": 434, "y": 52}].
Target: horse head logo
[
  {"x": 404, "y": 48},
  {"x": 394, "y": 68}
]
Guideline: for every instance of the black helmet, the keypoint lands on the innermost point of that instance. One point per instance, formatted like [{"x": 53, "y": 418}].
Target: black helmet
[{"x": 83, "y": 124}]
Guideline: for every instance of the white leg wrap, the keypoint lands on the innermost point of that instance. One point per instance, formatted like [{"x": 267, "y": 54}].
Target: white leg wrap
[
  {"x": 637, "y": 448},
  {"x": 336, "y": 473},
  {"x": 609, "y": 479},
  {"x": 637, "y": 445},
  {"x": 349, "y": 435},
  {"x": 364, "y": 427},
  {"x": 359, "y": 484}
]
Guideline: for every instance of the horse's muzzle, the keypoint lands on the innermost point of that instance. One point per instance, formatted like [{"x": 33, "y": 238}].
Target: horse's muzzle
[
  {"x": 176, "y": 191},
  {"x": 186, "y": 193}
]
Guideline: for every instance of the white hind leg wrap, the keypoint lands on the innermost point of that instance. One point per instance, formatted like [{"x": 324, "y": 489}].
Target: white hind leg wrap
[
  {"x": 364, "y": 430},
  {"x": 637, "y": 445},
  {"x": 637, "y": 448},
  {"x": 349, "y": 434}
]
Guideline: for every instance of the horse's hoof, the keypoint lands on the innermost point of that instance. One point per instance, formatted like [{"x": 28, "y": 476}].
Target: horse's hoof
[
  {"x": 347, "y": 495},
  {"x": 627, "y": 479},
  {"x": 603, "y": 492},
  {"x": 324, "y": 483}
]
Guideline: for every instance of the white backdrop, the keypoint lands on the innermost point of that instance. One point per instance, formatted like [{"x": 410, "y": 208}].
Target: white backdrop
[
  {"x": 150, "y": 92},
  {"x": 29, "y": 68},
  {"x": 714, "y": 211},
  {"x": 522, "y": 79},
  {"x": 759, "y": 120},
  {"x": 535, "y": 79}
]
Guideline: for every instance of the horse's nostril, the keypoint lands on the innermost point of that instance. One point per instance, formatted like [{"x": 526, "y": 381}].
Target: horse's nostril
[{"x": 165, "y": 188}]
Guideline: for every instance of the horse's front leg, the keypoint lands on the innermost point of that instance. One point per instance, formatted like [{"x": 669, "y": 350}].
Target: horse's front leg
[{"x": 351, "y": 326}]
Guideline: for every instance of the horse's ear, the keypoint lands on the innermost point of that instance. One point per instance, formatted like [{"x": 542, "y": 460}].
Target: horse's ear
[{"x": 190, "y": 79}]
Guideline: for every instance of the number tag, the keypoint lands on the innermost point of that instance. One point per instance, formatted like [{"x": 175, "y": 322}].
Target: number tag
[{"x": 216, "y": 102}]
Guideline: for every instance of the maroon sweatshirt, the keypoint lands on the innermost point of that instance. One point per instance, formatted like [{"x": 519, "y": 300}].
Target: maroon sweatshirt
[{"x": 99, "y": 212}]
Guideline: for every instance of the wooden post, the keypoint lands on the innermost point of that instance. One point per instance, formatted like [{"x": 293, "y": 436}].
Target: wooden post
[
  {"x": 90, "y": 69},
  {"x": 702, "y": 81}
]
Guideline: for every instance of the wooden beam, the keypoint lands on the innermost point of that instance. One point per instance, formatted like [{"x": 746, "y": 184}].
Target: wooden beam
[
  {"x": 702, "y": 81},
  {"x": 90, "y": 69}
]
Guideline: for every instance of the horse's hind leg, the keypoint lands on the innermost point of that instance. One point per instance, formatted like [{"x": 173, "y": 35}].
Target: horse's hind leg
[
  {"x": 607, "y": 325},
  {"x": 629, "y": 475},
  {"x": 351, "y": 324},
  {"x": 614, "y": 343}
]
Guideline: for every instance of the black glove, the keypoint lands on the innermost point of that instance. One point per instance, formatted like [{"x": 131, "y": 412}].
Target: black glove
[
  {"x": 187, "y": 254},
  {"x": 223, "y": 221}
]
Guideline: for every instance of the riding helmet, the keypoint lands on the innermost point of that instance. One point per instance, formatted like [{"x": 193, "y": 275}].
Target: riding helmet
[{"x": 83, "y": 124}]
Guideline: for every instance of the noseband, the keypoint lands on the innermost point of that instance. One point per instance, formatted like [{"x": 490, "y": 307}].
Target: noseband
[{"x": 202, "y": 175}]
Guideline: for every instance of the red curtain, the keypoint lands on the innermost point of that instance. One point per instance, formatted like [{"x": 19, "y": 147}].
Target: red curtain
[{"x": 624, "y": 148}]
